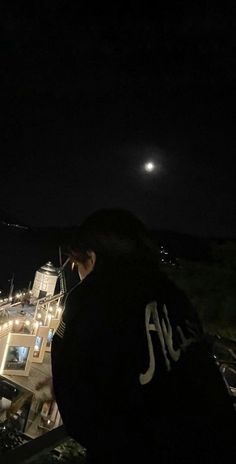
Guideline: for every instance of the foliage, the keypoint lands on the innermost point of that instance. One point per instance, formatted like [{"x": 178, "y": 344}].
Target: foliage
[
  {"x": 68, "y": 452},
  {"x": 10, "y": 438},
  {"x": 224, "y": 253},
  {"x": 211, "y": 288}
]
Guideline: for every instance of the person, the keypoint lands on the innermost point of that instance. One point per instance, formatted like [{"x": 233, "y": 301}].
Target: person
[{"x": 132, "y": 374}]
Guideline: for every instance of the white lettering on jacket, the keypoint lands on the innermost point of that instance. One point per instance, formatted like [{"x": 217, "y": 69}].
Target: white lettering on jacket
[{"x": 164, "y": 332}]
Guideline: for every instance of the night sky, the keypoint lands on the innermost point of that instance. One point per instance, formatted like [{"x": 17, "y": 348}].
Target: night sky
[{"x": 88, "y": 97}]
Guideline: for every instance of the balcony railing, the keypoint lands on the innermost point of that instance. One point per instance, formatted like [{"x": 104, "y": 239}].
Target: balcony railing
[{"x": 35, "y": 447}]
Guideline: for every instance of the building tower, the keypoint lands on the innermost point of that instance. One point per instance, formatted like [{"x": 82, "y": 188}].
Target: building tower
[{"x": 45, "y": 281}]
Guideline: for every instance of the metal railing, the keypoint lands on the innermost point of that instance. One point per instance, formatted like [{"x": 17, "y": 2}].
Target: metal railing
[{"x": 34, "y": 447}]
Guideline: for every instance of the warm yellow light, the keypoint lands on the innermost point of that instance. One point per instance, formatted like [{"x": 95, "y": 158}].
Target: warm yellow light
[
  {"x": 16, "y": 322},
  {"x": 27, "y": 322},
  {"x": 39, "y": 315}
]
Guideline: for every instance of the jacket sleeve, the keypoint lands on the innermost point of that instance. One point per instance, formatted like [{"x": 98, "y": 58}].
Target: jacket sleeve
[{"x": 87, "y": 383}]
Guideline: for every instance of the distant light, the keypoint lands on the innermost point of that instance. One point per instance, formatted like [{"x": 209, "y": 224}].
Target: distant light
[{"x": 149, "y": 166}]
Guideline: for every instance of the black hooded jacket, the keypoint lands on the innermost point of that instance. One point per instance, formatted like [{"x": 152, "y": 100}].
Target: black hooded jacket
[{"x": 130, "y": 366}]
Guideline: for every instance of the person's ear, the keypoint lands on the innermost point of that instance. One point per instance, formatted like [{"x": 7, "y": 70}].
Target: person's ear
[{"x": 92, "y": 257}]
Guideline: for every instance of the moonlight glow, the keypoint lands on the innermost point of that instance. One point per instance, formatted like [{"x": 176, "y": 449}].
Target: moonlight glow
[{"x": 149, "y": 166}]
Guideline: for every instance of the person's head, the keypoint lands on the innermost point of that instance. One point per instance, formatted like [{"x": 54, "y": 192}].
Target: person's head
[{"x": 111, "y": 237}]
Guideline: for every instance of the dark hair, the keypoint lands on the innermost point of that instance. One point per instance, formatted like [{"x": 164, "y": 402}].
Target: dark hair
[{"x": 113, "y": 234}]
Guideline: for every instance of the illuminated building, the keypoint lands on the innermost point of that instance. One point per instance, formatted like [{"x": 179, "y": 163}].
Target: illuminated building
[
  {"x": 26, "y": 332},
  {"x": 45, "y": 281}
]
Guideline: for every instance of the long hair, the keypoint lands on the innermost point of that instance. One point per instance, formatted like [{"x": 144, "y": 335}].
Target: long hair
[{"x": 115, "y": 235}]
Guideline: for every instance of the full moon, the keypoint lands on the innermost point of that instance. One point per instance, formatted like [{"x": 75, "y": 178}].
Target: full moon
[{"x": 149, "y": 166}]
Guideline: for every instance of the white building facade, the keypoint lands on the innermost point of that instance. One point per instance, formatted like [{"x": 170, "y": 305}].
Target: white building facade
[{"x": 45, "y": 281}]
